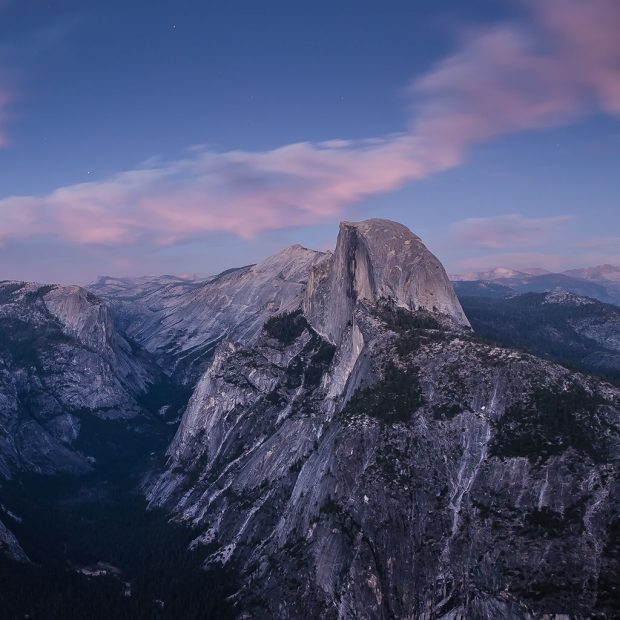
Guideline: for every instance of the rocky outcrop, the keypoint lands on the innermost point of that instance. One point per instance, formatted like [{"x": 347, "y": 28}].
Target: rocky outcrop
[
  {"x": 377, "y": 259},
  {"x": 181, "y": 322},
  {"x": 464, "y": 481},
  {"x": 373, "y": 459},
  {"x": 60, "y": 357}
]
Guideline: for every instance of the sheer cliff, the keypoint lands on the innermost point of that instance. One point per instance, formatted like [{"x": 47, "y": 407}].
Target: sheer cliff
[
  {"x": 351, "y": 449},
  {"x": 377, "y": 259},
  {"x": 368, "y": 457}
]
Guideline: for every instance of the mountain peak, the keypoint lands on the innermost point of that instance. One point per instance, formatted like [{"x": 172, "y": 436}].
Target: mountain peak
[
  {"x": 293, "y": 262},
  {"x": 378, "y": 226},
  {"x": 377, "y": 259},
  {"x": 605, "y": 272}
]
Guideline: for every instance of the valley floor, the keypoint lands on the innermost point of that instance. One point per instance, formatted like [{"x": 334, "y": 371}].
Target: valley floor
[{"x": 95, "y": 550}]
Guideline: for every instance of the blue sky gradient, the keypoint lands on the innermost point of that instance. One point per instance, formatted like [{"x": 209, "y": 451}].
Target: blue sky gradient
[{"x": 90, "y": 90}]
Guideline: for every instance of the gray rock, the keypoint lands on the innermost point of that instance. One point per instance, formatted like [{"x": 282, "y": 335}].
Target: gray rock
[
  {"x": 182, "y": 321},
  {"x": 377, "y": 259},
  {"x": 60, "y": 355},
  {"x": 381, "y": 462}
]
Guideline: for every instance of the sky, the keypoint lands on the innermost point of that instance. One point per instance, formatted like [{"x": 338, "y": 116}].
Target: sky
[{"x": 187, "y": 136}]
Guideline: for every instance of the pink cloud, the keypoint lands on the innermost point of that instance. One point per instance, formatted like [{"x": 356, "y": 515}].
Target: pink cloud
[
  {"x": 506, "y": 231},
  {"x": 560, "y": 64},
  {"x": 240, "y": 192},
  {"x": 586, "y": 35},
  {"x": 548, "y": 72},
  {"x": 602, "y": 244}
]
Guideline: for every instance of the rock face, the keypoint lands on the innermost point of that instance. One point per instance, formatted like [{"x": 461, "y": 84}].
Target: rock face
[
  {"x": 182, "y": 321},
  {"x": 9, "y": 547},
  {"x": 373, "y": 260},
  {"x": 353, "y": 450},
  {"x": 60, "y": 356},
  {"x": 370, "y": 458}
]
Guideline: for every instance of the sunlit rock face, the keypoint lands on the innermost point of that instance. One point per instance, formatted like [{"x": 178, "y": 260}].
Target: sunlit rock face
[
  {"x": 60, "y": 356},
  {"x": 377, "y": 259},
  {"x": 182, "y": 321},
  {"x": 370, "y": 458}
]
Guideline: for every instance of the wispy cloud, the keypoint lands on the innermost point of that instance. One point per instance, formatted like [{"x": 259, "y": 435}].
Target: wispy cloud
[
  {"x": 507, "y": 231},
  {"x": 240, "y": 192},
  {"x": 600, "y": 250},
  {"x": 602, "y": 244},
  {"x": 18, "y": 50},
  {"x": 514, "y": 77},
  {"x": 553, "y": 68}
]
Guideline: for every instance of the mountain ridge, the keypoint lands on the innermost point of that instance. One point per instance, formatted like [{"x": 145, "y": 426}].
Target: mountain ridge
[
  {"x": 309, "y": 462},
  {"x": 601, "y": 282},
  {"x": 181, "y": 322},
  {"x": 596, "y": 272},
  {"x": 351, "y": 448}
]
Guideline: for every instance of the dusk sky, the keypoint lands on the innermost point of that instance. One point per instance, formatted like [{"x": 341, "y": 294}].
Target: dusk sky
[{"x": 177, "y": 136}]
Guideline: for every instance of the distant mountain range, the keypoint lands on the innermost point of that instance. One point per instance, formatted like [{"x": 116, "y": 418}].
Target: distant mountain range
[
  {"x": 607, "y": 273},
  {"x": 579, "y": 332},
  {"x": 601, "y": 282}
]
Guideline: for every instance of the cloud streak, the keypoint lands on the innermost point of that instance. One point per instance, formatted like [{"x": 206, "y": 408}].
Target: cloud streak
[
  {"x": 516, "y": 77},
  {"x": 240, "y": 192},
  {"x": 560, "y": 64},
  {"x": 507, "y": 231},
  {"x": 603, "y": 244}
]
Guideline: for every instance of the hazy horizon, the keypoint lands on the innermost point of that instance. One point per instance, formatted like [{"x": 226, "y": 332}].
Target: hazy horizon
[{"x": 208, "y": 274}]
